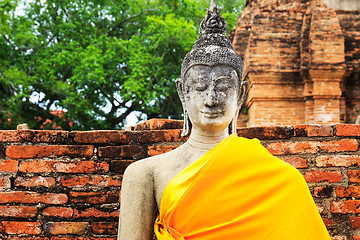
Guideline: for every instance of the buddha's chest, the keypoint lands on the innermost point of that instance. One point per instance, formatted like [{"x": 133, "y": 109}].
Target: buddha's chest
[{"x": 162, "y": 177}]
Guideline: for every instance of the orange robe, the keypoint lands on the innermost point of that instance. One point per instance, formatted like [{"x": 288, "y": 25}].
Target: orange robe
[{"x": 238, "y": 190}]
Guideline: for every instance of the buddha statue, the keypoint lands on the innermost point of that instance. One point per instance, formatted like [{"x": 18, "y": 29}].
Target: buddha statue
[{"x": 216, "y": 185}]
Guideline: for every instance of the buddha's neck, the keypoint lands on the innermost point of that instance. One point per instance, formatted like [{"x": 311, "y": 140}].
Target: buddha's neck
[{"x": 206, "y": 140}]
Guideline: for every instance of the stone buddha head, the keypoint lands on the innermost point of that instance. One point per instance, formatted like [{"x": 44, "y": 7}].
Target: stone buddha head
[{"x": 211, "y": 88}]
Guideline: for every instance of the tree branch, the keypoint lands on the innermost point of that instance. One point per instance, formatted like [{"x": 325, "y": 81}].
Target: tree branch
[
  {"x": 129, "y": 18},
  {"x": 8, "y": 41},
  {"x": 125, "y": 114},
  {"x": 138, "y": 14}
]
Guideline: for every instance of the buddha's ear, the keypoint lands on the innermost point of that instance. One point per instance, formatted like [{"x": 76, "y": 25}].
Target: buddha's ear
[
  {"x": 180, "y": 90},
  {"x": 187, "y": 123},
  {"x": 243, "y": 93}
]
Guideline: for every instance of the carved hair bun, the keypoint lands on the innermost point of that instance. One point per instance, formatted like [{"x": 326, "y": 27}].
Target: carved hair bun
[{"x": 213, "y": 47}]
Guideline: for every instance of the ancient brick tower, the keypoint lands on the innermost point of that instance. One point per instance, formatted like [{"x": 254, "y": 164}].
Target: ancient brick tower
[{"x": 302, "y": 61}]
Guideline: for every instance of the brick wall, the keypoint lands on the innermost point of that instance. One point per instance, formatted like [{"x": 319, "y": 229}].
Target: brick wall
[
  {"x": 301, "y": 59},
  {"x": 63, "y": 185},
  {"x": 343, "y": 4}
]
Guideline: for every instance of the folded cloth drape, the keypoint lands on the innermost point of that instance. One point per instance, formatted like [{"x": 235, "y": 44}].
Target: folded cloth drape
[{"x": 238, "y": 190}]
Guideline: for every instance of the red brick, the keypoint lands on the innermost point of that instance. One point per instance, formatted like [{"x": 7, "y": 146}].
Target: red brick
[
  {"x": 351, "y": 191},
  {"x": 102, "y": 137},
  {"x": 156, "y": 150},
  {"x": 344, "y": 145},
  {"x": 355, "y": 222},
  {"x": 119, "y": 166},
  {"x": 337, "y": 161},
  {"x": 37, "y": 166},
  {"x": 155, "y": 136},
  {"x": 98, "y": 181},
  {"x": 28, "y": 238},
  {"x": 77, "y": 166},
  {"x": 54, "y": 198},
  {"x": 24, "y": 152},
  {"x": 95, "y": 213},
  {"x": 94, "y": 197},
  {"x": 323, "y": 192},
  {"x": 60, "y": 228},
  {"x": 5, "y": 183},
  {"x": 34, "y": 181},
  {"x": 25, "y": 135},
  {"x": 320, "y": 209},
  {"x": 81, "y": 167},
  {"x": 127, "y": 151},
  {"x": 44, "y": 136},
  {"x": 296, "y": 162},
  {"x": 344, "y": 207},
  {"x": 313, "y": 131},
  {"x": 159, "y": 124},
  {"x": 354, "y": 176},
  {"x": 327, "y": 222},
  {"x": 339, "y": 237},
  {"x": 266, "y": 133},
  {"x": 64, "y": 212},
  {"x": 348, "y": 130},
  {"x": 322, "y": 176},
  {"x": 12, "y": 227},
  {"x": 9, "y": 136},
  {"x": 282, "y": 148},
  {"x": 104, "y": 228},
  {"x": 81, "y": 238},
  {"x": 50, "y": 136},
  {"x": 8, "y": 165},
  {"x": 300, "y": 130},
  {"x": 18, "y": 211},
  {"x": 32, "y": 197}
]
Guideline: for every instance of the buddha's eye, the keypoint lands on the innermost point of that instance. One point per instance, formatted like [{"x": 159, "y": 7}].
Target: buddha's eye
[
  {"x": 199, "y": 86},
  {"x": 224, "y": 83},
  {"x": 223, "y": 86}
]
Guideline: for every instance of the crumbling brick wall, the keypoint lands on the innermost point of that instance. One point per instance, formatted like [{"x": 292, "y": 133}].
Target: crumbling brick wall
[
  {"x": 59, "y": 185},
  {"x": 301, "y": 59}
]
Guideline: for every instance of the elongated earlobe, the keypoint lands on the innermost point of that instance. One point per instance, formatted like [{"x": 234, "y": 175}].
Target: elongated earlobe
[
  {"x": 241, "y": 101},
  {"x": 187, "y": 123},
  {"x": 243, "y": 94},
  {"x": 232, "y": 125}
]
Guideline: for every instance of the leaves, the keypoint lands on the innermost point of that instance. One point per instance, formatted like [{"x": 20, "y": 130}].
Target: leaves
[{"x": 97, "y": 61}]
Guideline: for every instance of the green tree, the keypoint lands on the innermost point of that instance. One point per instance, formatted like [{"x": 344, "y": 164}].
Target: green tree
[{"x": 97, "y": 60}]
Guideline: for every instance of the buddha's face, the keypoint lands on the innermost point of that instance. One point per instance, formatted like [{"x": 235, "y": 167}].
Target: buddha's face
[{"x": 211, "y": 96}]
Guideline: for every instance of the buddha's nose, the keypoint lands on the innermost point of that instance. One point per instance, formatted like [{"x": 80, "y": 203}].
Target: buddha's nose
[{"x": 211, "y": 97}]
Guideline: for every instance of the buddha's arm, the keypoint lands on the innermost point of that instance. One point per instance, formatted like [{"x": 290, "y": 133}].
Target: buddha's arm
[{"x": 138, "y": 204}]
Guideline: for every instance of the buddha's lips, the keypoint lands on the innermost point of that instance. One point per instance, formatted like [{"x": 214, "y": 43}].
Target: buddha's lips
[{"x": 212, "y": 114}]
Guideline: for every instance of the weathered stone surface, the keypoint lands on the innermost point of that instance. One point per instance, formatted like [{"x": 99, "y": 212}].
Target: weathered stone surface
[
  {"x": 297, "y": 72},
  {"x": 23, "y": 152},
  {"x": 159, "y": 124},
  {"x": 61, "y": 228},
  {"x": 266, "y": 133},
  {"x": 102, "y": 137}
]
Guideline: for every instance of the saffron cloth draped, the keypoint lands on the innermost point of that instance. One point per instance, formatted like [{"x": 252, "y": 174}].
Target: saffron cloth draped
[{"x": 238, "y": 190}]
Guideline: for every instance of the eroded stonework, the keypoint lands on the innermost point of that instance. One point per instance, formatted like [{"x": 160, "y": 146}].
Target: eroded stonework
[{"x": 302, "y": 62}]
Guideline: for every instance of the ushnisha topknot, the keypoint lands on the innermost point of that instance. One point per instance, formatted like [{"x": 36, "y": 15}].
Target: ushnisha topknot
[{"x": 213, "y": 47}]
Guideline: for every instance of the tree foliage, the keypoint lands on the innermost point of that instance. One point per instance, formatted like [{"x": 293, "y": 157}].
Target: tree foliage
[{"x": 97, "y": 60}]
